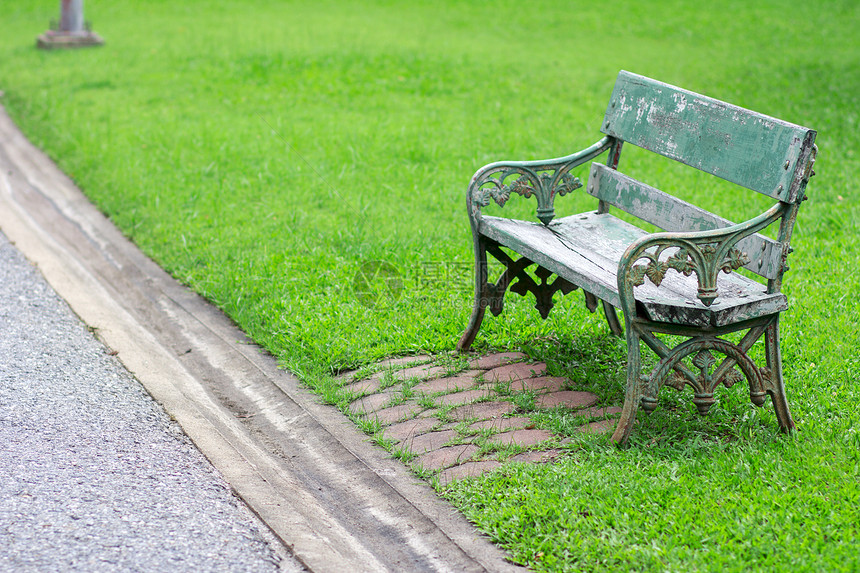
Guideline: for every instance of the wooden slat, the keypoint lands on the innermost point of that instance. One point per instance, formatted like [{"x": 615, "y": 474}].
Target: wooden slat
[
  {"x": 673, "y": 214},
  {"x": 753, "y": 150},
  {"x": 585, "y": 250}
]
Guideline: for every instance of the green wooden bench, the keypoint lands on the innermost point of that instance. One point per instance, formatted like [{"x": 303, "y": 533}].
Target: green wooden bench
[{"x": 678, "y": 282}]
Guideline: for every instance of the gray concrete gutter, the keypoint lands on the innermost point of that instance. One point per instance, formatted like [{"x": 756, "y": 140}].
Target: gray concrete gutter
[{"x": 337, "y": 502}]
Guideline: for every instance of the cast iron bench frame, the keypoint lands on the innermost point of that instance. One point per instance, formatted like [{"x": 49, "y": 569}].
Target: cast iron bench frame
[{"x": 610, "y": 259}]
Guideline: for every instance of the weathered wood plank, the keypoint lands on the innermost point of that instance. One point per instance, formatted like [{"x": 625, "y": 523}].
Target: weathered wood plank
[
  {"x": 585, "y": 249},
  {"x": 753, "y": 150},
  {"x": 676, "y": 215}
]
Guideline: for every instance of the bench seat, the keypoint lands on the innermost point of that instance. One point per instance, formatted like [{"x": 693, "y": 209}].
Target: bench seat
[{"x": 585, "y": 249}]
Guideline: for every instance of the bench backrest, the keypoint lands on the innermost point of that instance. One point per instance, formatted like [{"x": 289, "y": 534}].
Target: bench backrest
[
  {"x": 755, "y": 151},
  {"x": 761, "y": 153}
]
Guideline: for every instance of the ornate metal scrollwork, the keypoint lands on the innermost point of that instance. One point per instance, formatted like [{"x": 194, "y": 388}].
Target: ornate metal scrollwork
[
  {"x": 705, "y": 253},
  {"x": 705, "y": 383},
  {"x": 544, "y": 179},
  {"x": 515, "y": 272},
  {"x": 545, "y": 186},
  {"x": 543, "y": 292},
  {"x": 688, "y": 259}
]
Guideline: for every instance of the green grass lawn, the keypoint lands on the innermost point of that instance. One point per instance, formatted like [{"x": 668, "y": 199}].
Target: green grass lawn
[{"x": 263, "y": 151}]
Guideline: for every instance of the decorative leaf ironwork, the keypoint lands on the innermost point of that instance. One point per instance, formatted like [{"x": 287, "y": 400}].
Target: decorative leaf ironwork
[
  {"x": 568, "y": 184},
  {"x": 731, "y": 378},
  {"x": 676, "y": 381},
  {"x": 704, "y": 383},
  {"x": 637, "y": 275},
  {"x": 735, "y": 260},
  {"x": 703, "y": 361},
  {"x": 521, "y": 186},
  {"x": 681, "y": 262},
  {"x": 656, "y": 271},
  {"x": 545, "y": 186},
  {"x": 481, "y": 197},
  {"x": 684, "y": 263},
  {"x": 699, "y": 259},
  {"x": 520, "y": 282},
  {"x": 499, "y": 195}
]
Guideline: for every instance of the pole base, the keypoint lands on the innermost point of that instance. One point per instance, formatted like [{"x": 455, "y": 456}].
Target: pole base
[{"x": 54, "y": 40}]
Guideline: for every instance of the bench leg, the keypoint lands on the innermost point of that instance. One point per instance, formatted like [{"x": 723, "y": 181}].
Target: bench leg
[
  {"x": 474, "y": 326},
  {"x": 776, "y": 388},
  {"x": 633, "y": 391},
  {"x": 480, "y": 307},
  {"x": 612, "y": 319}
]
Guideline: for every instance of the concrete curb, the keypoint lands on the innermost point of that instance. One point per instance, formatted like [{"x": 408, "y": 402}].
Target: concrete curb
[{"x": 337, "y": 502}]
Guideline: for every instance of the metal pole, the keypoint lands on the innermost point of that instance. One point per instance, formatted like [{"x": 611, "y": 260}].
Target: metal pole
[
  {"x": 72, "y": 16},
  {"x": 72, "y": 31}
]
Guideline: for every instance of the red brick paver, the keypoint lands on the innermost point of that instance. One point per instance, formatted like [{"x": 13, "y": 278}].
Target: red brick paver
[
  {"x": 539, "y": 385},
  {"x": 410, "y": 428},
  {"x": 482, "y": 411},
  {"x": 423, "y": 372},
  {"x": 524, "y": 438},
  {"x": 452, "y": 384},
  {"x": 366, "y": 386},
  {"x": 396, "y": 413},
  {"x": 568, "y": 398},
  {"x": 447, "y": 456},
  {"x": 501, "y": 424},
  {"x": 600, "y": 411},
  {"x": 513, "y": 372},
  {"x": 420, "y": 431},
  {"x": 345, "y": 377},
  {"x": 370, "y": 403},
  {"x": 430, "y": 441},
  {"x": 474, "y": 373},
  {"x": 496, "y": 360},
  {"x": 464, "y": 397},
  {"x": 469, "y": 469}
]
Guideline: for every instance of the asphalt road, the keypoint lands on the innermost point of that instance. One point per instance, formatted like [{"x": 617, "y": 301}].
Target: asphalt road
[{"x": 94, "y": 475}]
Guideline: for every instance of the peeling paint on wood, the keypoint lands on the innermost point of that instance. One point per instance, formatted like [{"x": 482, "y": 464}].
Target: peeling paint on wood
[{"x": 733, "y": 143}]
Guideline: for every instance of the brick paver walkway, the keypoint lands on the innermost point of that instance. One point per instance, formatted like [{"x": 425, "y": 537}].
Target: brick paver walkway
[{"x": 454, "y": 423}]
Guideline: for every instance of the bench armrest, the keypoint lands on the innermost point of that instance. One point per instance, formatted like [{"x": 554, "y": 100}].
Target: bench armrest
[
  {"x": 705, "y": 253},
  {"x": 543, "y": 178}
]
